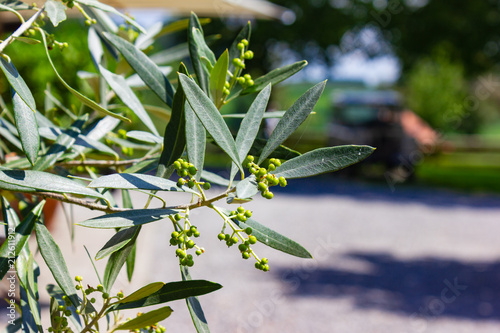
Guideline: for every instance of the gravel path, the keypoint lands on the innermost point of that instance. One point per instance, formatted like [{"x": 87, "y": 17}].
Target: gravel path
[{"x": 404, "y": 261}]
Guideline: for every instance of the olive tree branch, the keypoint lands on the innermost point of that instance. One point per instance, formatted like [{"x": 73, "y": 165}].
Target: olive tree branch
[{"x": 109, "y": 209}]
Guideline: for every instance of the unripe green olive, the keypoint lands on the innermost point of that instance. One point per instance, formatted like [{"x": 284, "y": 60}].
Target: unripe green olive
[
  {"x": 252, "y": 240},
  {"x": 242, "y": 247},
  {"x": 241, "y": 46},
  {"x": 207, "y": 186},
  {"x": 244, "y": 42},
  {"x": 221, "y": 236},
  {"x": 245, "y": 255},
  {"x": 248, "y": 230}
]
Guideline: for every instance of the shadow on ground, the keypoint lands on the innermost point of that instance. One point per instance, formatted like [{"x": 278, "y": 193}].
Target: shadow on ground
[{"x": 424, "y": 288}]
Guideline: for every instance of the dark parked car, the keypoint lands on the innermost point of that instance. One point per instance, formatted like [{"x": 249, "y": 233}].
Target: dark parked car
[{"x": 372, "y": 118}]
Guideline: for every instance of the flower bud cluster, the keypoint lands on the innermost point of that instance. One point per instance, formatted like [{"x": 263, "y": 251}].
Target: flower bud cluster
[
  {"x": 182, "y": 238},
  {"x": 60, "y": 313},
  {"x": 186, "y": 171},
  {"x": 264, "y": 178}
]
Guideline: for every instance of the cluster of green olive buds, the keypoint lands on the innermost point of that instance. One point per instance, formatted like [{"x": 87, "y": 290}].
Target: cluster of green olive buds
[
  {"x": 59, "y": 319},
  {"x": 186, "y": 171},
  {"x": 265, "y": 179},
  {"x": 51, "y": 40},
  {"x": 262, "y": 265},
  {"x": 239, "y": 63},
  {"x": 182, "y": 239},
  {"x": 156, "y": 328}
]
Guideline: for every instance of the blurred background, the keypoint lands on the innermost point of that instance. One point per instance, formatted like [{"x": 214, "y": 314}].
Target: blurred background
[{"x": 406, "y": 241}]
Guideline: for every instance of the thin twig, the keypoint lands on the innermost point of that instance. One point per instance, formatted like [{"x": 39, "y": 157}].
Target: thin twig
[{"x": 109, "y": 209}]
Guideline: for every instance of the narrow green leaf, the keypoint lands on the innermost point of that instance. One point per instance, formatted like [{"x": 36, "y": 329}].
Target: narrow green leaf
[
  {"x": 144, "y": 137},
  {"x": 210, "y": 117},
  {"x": 130, "y": 262},
  {"x": 32, "y": 292},
  {"x": 170, "y": 292},
  {"x": 218, "y": 78},
  {"x": 143, "y": 292},
  {"x": 274, "y": 77},
  {"x": 174, "y": 139},
  {"x": 145, "y": 68},
  {"x": 128, "y": 219},
  {"x": 27, "y": 40},
  {"x": 146, "y": 319},
  {"x": 27, "y": 128},
  {"x": 203, "y": 50},
  {"x": 267, "y": 115},
  {"x": 247, "y": 188},
  {"x": 63, "y": 142},
  {"x": 42, "y": 181},
  {"x": 17, "y": 83},
  {"x": 234, "y": 52},
  {"x": 16, "y": 241},
  {"x": 323, "y": 160},
  {"x": 15, "y": 5},
  {"x": 117, "y": 260},
  {"x": 272, "y": 238},
  {"x": 292, "y": 119},
  {"x": 250, "y": 126},
  {"x": 195, "y": 53},
  {"x": 54, "y": 259},
  {"x": 55, "y": 11},
  {"x": 194, "y": 306},
  {"x": 139, "y": 181},
  {"x": 118, "y": 241},
  {"x": 110, "y": 9},
  {"x": 119, "y": 85},
  {"x": 196, "y": 139},
  {"x": 91, "y": 104}
]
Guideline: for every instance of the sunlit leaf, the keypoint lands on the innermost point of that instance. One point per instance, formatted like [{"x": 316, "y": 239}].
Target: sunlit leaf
[
  {"x": 174, "y": 140},
  {"x": 250, "y": 126},
  {"x": 143, "y": 292},
  {"x": 146, "y": 319},
  {"x": 54, "y": 259},
  {"x": 27, "y": 128},
  {"x": 218, "y": 78},
  {"x": 247, "y": 188},
  {"x": 170, "y": 292},
  {"x": 119, "y": 85},
  {"x": 196, "y": 52},
  {"x": 272, "y": 238},
  {"x": 17, "y": 83},
  {"x": 194, "y": 306},
  {"x": 322, "y": 160},
  {"x": 128, "y": 219},
  {"x": 147, "y": 69},
  {"x": 118, "y": 241},
  {"x": 56, "y": 11},
  {"x": 117, "y": 260},
  {"x": 292, "y": 119},
  {"x": 210, "y": 117},
  {"x": 196, "y": 138}
]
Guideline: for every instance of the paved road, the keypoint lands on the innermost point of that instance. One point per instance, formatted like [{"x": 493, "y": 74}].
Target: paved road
[{"x": 407, "y": 261}]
